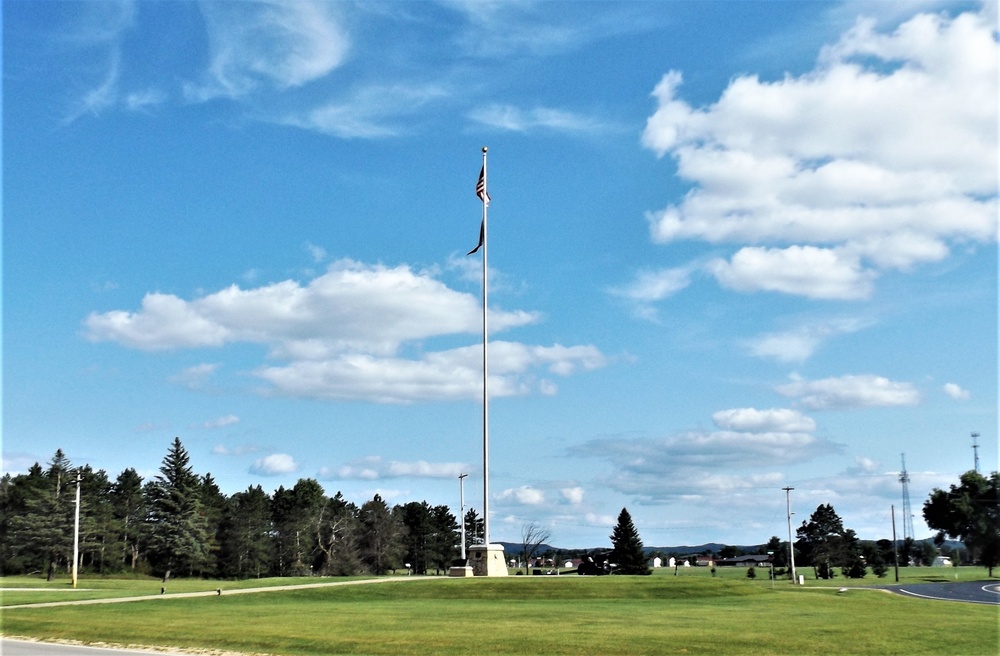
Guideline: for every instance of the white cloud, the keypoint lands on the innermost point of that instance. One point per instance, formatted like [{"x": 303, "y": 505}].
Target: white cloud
[
  {"x": 524, "y": 495},
  {"x": 223, "y": 450},
  {"x": 275, "y": 464},
  {"x": 880, "y": 158},
  {"x": 340, "y": 336},
  {"x": 352, "y": 307},
  {"x": 370, "y": 112},
  {"x": 221, "y": 422},
  {"x": 195, "y": 377},
  {"x": 282, "y": 44},
  {"x": 377, "y": 468},
  {"x": 753, "y": 420},
  {"x": 956, "y": 392},
  {"x": 572, "y": 495},
  {"x": 799, "y": 270},
  {"x": 864, "y": 391},
  {"x": 657, "y": 285},
  {"x": 515, "y": 119},
  {"x": 799, "y": 344}
]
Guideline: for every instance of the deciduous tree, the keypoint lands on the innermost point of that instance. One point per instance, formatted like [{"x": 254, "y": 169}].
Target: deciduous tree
[{"x": 969, "y": 512}]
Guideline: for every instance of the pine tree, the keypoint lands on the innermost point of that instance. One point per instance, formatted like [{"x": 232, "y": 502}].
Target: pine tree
[
  {"x": 245, "y": 535},
  {"x": 628, "y": 553},
  {"x": 380, "y": 545},
  {"x": 129, "y": 508},
  {"x": 178, "y": 531}
]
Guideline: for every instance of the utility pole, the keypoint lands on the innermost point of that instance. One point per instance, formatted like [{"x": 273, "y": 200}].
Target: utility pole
[
  {"x": 791, "y": 545},
  {"x": 76, "y": 531},
  {"x": 461, "y": 493},
  {"x": 975, "y": 450},
  {"x": 895, "y": 549}
]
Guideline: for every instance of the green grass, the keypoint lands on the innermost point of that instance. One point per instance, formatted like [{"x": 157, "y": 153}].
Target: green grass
[{"x": 660, "y": 614}]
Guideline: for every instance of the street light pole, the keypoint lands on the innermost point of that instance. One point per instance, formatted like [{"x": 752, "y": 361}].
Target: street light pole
[
  {"x": 791, "y": 546},
  {"x": 76, "y": 531},
  {"x": 461, "y": 492}
]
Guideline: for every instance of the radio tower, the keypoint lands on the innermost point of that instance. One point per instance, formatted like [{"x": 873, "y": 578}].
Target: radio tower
[
  {"x": 975, "y": 449},
  {"x": 904, "y": 478}
]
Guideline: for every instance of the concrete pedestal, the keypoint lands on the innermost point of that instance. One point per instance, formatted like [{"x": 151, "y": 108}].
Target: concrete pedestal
[
  {"x": 460, "y": 570},
  {"x": 487, "y": 560}
]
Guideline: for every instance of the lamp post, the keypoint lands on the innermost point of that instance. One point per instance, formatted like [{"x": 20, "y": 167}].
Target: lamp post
[
  {"x": 791, "y": 546},
  {"x": 76, "y": 531},
  {"x": 461, "y": 494}
]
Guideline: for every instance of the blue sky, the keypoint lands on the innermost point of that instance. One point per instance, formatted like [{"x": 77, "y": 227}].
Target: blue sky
[{"x": 734, "y": 247}]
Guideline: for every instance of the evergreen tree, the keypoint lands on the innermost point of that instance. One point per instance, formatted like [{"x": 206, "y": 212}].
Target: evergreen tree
[
  {"x": 380, "y": 543},
  {"x": 129, "y": 511},
  {"x": 245, "y": 535},
  {"x": 40, "y": 521},
  {"x": 213, "y": 509},
  {"x": 627, "y": 552},
  {"x": 294, "y": 513},
  {"x": 98, "y": 529},
  {"x": 177, "y": 528},
  {"x": 336, "y": 531},
  {"x": 474, "y": 528},
  {"x": 444, "y": 538},
  {"x": 418, "y": 524}
]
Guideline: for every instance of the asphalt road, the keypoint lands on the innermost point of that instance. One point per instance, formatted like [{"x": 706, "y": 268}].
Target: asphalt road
[
  {"x": 972, "y": 592},
  {"x": 10, "y": 647}
]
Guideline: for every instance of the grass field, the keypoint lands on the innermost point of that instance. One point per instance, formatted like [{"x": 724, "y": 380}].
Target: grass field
[{"x": 693, "y": 613}]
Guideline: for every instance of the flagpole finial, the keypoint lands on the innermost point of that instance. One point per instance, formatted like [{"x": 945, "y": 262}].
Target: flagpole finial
[{"x": 484, "y": 149}]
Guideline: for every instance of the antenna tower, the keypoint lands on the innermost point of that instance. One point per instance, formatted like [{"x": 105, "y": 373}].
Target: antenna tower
[
  {"x": 975, "y": 449},
  {"x": 904, "y": 478}
]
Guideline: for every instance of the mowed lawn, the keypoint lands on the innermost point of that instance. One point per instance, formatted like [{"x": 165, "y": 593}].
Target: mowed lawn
[{"x": 534, "y": 615}]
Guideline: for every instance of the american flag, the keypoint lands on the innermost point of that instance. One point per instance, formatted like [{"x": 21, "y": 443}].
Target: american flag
[{"x": 481, "y": 187}]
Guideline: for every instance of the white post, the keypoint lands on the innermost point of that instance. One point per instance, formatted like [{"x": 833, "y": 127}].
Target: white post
[
  {"x": 791, "y": 545},
  {"x": 461, "y": 495},
  {"x": 76, "y": 531},
  {"x": 486, "y": 394}
]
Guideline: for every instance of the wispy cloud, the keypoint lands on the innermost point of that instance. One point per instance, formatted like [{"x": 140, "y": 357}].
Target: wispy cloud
[
  {"x": 862, "y": 391},
  {"x": 378, "y": 468},
  {"x": 800, "y": 343},
  {"x": 372, "y": 112},
  {"x": 219, "y": 422},
  {"x": 515, "y": 119},
  {"x": 277, "y": 44}
]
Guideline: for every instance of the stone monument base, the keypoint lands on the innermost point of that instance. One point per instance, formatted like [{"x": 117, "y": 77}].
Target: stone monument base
[
  {"x": 460, "y": 570},
  {"x": 487, "y": 560}
]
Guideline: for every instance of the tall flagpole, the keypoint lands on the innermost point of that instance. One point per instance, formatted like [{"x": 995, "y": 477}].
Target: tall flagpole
[{"x": 486, "y": 394}]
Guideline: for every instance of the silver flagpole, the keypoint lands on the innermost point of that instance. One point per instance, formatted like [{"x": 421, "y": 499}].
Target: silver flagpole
[{"x": 486, "y": 393}]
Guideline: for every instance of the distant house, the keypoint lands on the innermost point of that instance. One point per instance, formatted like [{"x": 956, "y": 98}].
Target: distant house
[
  {"x": 942, "y": 561},
  {"x": 745, "y": 561},
  {"x": 704, "y": 561},
  {"x": 656, "y": 562}
]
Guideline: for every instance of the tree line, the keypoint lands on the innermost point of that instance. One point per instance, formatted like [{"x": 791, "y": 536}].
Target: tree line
[
  {"x": 181, "y": 524},
  {"x": 969, "y": 512}
]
